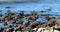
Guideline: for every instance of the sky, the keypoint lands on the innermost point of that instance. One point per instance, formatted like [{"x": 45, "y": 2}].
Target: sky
[
  {"x": 18, "y": 0},
  {"x": 41, "y": 1}
]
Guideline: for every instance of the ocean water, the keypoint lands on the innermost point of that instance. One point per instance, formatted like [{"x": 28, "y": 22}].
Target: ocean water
[
  {"x": 44, "y": 5},
  {"x": 27, "y": 7}
]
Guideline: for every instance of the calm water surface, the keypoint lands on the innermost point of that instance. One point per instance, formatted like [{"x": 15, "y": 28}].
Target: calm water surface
[{"x": 27, "y": 7}]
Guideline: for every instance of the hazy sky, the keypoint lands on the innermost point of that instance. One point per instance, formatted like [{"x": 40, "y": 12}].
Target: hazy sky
[
  {"x": 41, "y": 1},
  {"x": 19, "y": 0}
]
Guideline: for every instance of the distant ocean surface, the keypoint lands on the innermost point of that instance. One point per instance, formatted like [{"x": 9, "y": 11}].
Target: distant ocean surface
[{"x": 35, "y": 6}]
